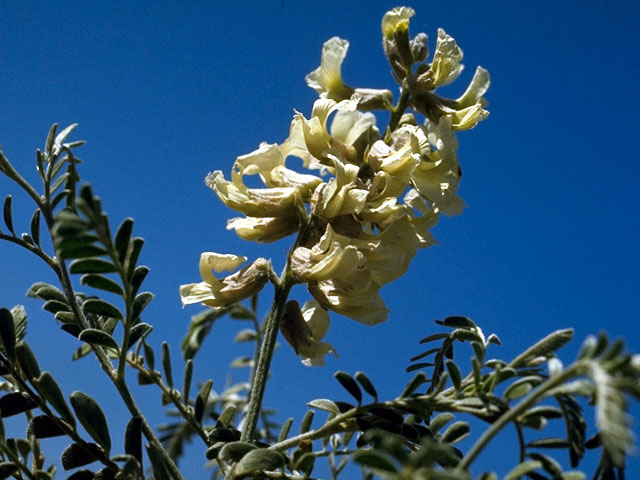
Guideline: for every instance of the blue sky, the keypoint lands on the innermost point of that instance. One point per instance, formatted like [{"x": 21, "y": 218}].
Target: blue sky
[{"x": 165, "y": 93}]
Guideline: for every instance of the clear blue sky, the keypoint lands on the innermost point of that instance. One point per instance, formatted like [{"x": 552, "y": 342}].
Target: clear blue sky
[{"x": 165, "y": 93}]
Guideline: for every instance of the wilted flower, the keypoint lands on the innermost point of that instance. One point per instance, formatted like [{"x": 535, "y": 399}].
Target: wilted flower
[
  {"x": 304, "y": 329},
  {"x": 397, "y": 245},
  {"x": 215, "y": 292},
  {"x": 354, "y": 296}
]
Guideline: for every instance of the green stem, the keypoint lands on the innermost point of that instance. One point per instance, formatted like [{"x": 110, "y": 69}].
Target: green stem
[
  {"x": 47, "y": 259},
  {"x": 261, "y": 374},
  {"x": 332, "y": 426},
  {"x": 522, "y": 446},
  {"x": 16, "y": 461},
  {"x": 182, "y": 408},
  {"x": 70, "y": 431},
  {"x": 397, "y": 113},
  {"x": 147, "y": 430},
  {"x": 9, "y": 171},
  {"x": 65, "y": 282},
  {"x": 103, "y": 359},
  {"x": 264, "y": 361},
  {"x": 126, "y": 325},
  {"x": 512, "y": 414}
]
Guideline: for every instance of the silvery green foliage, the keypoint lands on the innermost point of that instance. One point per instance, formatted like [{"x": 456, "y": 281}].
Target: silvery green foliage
[{"x": 414, "y": 435}]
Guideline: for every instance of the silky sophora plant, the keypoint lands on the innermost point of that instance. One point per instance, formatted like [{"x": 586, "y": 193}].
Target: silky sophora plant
[
  {"x": 358, "y": 205},
  {"x": 364, "y": 202}
]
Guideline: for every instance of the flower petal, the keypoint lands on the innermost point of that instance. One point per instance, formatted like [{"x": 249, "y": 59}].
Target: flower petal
[
  {"x": 327, "y": 78},
  {"x": 396, "y": 18},
  {"x": 327, "y": 259},
  {"x": 263, "y": 229},
  {"x": 253, "y": 202},
  {"x": 476, "y": 89}
]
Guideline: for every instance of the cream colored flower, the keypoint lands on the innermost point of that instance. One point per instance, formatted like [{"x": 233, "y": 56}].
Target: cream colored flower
[
  {"x": 351, "y": 291},
  {"x": 397, "y": 18},
  {"x": 264, "y": 229},
  {"x": 327, "y": 78},
  {"x": 254, "y": 202},
  {"x": 465, "y": 111},
  {"x": 478, "y": 86},
  {"x": 468, "y": 117},
  {"x": 314, "y": 130},
  {"x": 313, "y": 142},
  {"x": 438, "y": 175},
  {"x": 329, "y": 258},
  {"x": 304, "y": 331},
  {"x": 399, "y": 164},
  {"x": 445, "y": 65},
  {"x": 383, "y": 212},
  {"x": 347, "y": 297},
  {"x": 223, "y": 292},
  {"x": 349, "y": 126},
  {"x": 396, "y": 246},
  {"x": 327, "y": 81},
  {"x": 268, "y": 161},
  {"x": 343, "y": 195}
]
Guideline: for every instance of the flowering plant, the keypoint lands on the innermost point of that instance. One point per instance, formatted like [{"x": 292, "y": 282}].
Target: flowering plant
[{"x": 360, "y": 201}]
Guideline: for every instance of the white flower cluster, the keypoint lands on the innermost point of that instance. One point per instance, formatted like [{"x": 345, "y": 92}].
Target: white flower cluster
[{"x": 372, "y": 198}]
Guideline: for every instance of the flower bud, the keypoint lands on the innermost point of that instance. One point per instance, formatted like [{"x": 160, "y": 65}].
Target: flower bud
[
  {"x": 420, "y": 47},
  {"x": 396, "y": 19},
  {"x": 395, "y": 40}
]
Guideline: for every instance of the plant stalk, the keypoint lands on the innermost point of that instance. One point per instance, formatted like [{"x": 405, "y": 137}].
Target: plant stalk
[
  {"x": 513, "y": 413},
  {"x": 261, "y": 373},
  {"x": 264, "y": 360}
]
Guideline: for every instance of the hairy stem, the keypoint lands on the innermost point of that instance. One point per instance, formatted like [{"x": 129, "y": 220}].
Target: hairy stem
[
  {"x": 71, "y": 432},
  {"x": 264, "y": 361},
  {"x": 147, "y": 430},
  {"x": 182, "y": 408},
  {"x": 9, "y": 171},
  {"x": 261, "y": 374},
  {"x": 107, "y": 366},
  {"x": 65, "y": 282},
  {"x": 36, "y": 251}
]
